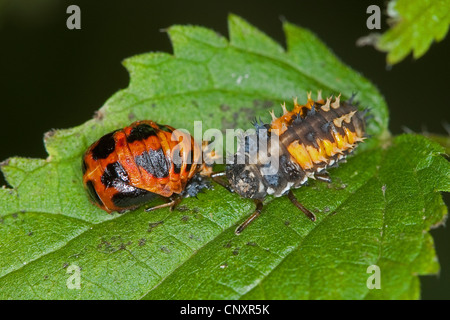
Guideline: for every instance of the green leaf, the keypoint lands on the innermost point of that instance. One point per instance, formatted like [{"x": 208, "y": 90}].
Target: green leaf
[
  {"x": 377, "y": 211},
  {"x": 417, "y": 24},
  {"x": 443, "y": 140}
]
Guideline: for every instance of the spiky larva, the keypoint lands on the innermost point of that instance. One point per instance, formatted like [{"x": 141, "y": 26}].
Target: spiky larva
[{"x": 311, "y": 138}]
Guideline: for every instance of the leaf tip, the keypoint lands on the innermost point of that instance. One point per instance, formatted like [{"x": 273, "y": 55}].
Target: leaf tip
[
  {"x": 4, "y": 163},
  {"x": 232, "y": 17}
]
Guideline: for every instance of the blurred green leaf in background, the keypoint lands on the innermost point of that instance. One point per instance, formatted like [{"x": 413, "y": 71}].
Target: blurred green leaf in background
[{"x": 415, "y": 24}]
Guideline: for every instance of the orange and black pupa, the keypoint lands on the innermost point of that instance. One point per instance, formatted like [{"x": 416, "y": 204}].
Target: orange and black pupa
[
  {"x": 129, "y": 167},
  {"x": 310, "y": 139}
]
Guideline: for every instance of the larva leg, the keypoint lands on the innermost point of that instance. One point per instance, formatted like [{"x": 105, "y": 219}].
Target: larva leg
[
  {"x": 255, "y": 214},
  {"x": 323, "y": 176},
  {"x": 294, "y": 200}
]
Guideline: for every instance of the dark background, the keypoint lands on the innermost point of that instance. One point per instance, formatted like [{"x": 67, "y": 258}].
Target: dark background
[{"x": 52, "y": 77}]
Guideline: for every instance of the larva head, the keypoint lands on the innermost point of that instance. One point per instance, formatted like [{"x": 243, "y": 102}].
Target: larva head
[{"x": 244, "y": 180}]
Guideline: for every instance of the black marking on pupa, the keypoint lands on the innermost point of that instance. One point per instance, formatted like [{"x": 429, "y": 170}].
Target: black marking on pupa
[{"x": 105, "y": 146}]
